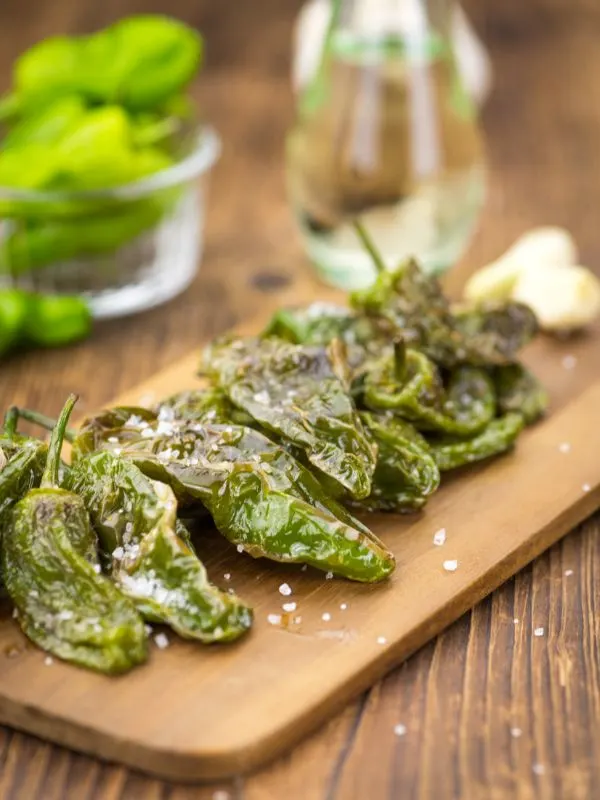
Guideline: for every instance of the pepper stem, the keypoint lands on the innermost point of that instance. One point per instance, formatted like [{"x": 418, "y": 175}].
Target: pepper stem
[
  {"x": 50, "y": 476},
  {"x": 369, "y": 245},
  {"x": 45, "y": 422},
  {"x": 10, "y": 421},
  {"x": 400, "y": 360}
]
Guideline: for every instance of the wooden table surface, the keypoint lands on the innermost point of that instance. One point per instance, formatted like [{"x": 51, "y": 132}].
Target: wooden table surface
[{"x": 462, "y": 695}]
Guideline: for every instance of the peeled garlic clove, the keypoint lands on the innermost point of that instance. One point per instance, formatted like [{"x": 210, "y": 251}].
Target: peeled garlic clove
[
  {"x": 549, "y": 246},
  {"x": 494, "y": 282},
  {"x": 563, "y": 298}
]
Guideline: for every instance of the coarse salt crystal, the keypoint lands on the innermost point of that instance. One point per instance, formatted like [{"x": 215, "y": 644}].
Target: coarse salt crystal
[
  {"x": 381, "y": 640},
  {"x": 118, "y": 553},
  {"x": 227, "y": 576},
  {"x": 15, "y": 613},
  {"x": 161, "y": 641},
  {"x": 450, "y": 565},
  {"x": 285, "y": 589},
  {"x": 240, "y": 547},
  {"x": 515, "y": 621},
  {"x": 326, "y": 616},
  {"x": 516, "y": 732},
  {"x": 538, "y": 632},
  {"x": 439, "y": 537},
  {"x": 304, "y": 567},
  {"x": 221, "y": 794},
  {"x": 328, "y": 576},
  {"x": 148, "y": 629},
  {"x": 569, "y": 361},
  {"x": 298, "y": 620},
  {"x": 568, "y": 572},
  {"x": 48, "y": 661},
  {"x": 97, "y": 569},
  {"x": 288, "y": 607},
  {"x": 352, "y": 535},
  {"x": 113, "y": 440},
  {"x": 539, "y": 769},
  {"x": 274, "y": 619},
  {"x": 564, "y": 447},
  {"x": 343, "y": 606},
  {"x": 586, "y": 487},
  {"x": 399, "y": 729}
]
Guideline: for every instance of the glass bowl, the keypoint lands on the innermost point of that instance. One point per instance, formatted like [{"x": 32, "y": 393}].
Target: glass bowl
[{"x": 125, "y": 249}]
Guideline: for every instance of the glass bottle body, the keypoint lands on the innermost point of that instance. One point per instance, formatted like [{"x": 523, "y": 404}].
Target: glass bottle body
[{"x": 386, "y": 132}]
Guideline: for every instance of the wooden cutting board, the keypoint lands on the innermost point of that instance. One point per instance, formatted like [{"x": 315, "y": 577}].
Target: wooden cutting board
[{"x": 197, "y": 712}]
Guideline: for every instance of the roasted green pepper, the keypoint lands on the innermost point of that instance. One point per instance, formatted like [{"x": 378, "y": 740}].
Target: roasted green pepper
[
  {"x": 136, "y": 521},
  {"x": 451, "y": 452},
  {"x": 518, "y": 390},
  {"x": 259, "y": 496},
  {"x": 52, "y": 574},
  {"x": 301, "y": 394}
]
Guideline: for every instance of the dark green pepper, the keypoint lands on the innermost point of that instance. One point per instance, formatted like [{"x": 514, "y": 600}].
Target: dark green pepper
[
  {"x": 518, "y": 390},
  {"x": 22, "y": 463},
  {"x": 301, "y": 394},
  {"x": 259, "y": 496},
  {"x": 53, "y": 576},
  {"x": 135, "y": 518},
  {"x": 202, "y": 405},
  {"x": 451, "y": 452}
]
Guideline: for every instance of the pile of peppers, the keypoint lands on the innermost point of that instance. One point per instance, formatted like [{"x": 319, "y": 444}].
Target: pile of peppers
[
  {"x": 88, "y": 113},
  {"x": 330, "y": 411}
]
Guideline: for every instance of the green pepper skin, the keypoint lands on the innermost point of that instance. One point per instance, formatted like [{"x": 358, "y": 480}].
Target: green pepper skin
[
  {"x": 500, "y": 435},
  {"x": 518, "y": 390},
  {"x": 259, "y": 496},
  {"x": 411, "y": 304},
  {"x": 51, "y": 572},
  {"x": 406, "y": 474},
  {"x": 14, "y": 308},
  {"x": 140, "y": 62},
  {"x": 301, "y": 394},
  {"x": 203, "y": 405},
  {"x": 56, "y": 320},
  {"x": 410, "y": 385},
  {"x": 136, "y": 521}
]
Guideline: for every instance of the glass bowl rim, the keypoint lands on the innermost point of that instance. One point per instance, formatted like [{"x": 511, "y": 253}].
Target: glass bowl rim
[{"x": 205, "y": 153}]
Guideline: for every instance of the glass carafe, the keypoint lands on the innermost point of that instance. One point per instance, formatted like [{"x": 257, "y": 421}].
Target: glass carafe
[{"x": 385, "y": 131}]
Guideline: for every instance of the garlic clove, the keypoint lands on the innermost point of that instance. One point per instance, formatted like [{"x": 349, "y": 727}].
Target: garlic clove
[
  {"x": 494, "y": 282},
  {"x": 563, "y": 298},
  {"x": 547, "y": 245}
]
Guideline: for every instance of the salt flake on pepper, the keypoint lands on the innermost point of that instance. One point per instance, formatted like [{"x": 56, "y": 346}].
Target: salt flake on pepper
[
  {"x": 439, "y": 537},
  {"x": 399, "y": 729},
  {"x": 538, "y": 632},
  {"x": 450, "y": 565},
  {"x": 285, "y": 589}
]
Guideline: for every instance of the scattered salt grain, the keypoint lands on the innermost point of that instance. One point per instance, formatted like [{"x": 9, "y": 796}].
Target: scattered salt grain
[
  {"x": 285, "y": 589},
  {"x": 343, "y": 606},
  {"x": 262, "y": 397},
  {"x": 240, "y": 547},
  {"x": 297, "y": 620},
  {"x": 15, "y": 613},
  {"x": 227, "y": 576},
  {"x": 516, "y": 733},
  {"x": 381, "y": 640},
  {"x": 64, "y": 615},
  {"x": 274, "y": 619},
  {"x": 288, "y": 607},
  {"x": 304, "y": 567},
  {"x": 148, "y": 629},
  {"x": 328, "y": 576},
  {"x": 97, "y": 569},
  {"x": 113, "y": 440},
  {"x": 161, "y": 641},
  {"x": 326, "y": 617},
  {"x": 569, "y": 362},
  {"x": 586, "y": 487},
  {"x": 564, "y": 447},
  {"x": 568, "y": 573},
  {"x": 539, "y": 769},
  {"x": 515, "y": 621},
  {"x": 450, "y": 565},
  {"x": 148, "y": 433},
  {"x": 538, "y": 632},
  {"x": 221, "y": 794},
  {"x": 48, "y": 661},
  {"x": 118, "y": 553},
  {"x": 439, "y": 537},
  {"x": 399, "y": 729}
]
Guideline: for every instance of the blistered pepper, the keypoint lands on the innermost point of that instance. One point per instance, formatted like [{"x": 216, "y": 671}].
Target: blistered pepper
[{"x": 451, "y": 452}]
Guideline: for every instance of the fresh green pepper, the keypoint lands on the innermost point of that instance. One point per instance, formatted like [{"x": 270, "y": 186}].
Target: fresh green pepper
[
  {"x": 55, "y": 320},
  {"x": 45, "y": 125},
  {"x": 451, "y": 452},
  {"x": 135, "y": 518},
  {"x": 139, "y": 62},
  {"x": 519, "y": 391},
  {"x": 406, "y": 474},
  {"x": 259, "y": 496},
  {"x": 301, "y": 394},
  {"x": 53, "y": 576},
  {"x": 410, "y": 384},
  {"x": 14, "y": 309}
]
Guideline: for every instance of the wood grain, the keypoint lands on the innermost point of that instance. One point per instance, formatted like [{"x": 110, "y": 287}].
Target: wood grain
[{"x": 459, "y": 695}]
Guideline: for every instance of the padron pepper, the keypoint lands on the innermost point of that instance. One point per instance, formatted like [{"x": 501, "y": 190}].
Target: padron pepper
[
  {"x": 301, "y": 394},
  {"x": 259, "y": 496},
  {"x": 406, "y": 474},
  {"x": 409, "y": 384},
  {"x": 22, "y": 462},
  {"x": 451, "y": 452},
  {"x": 136, "y": 520},
  {"x": 51, "y": 570},
  {"x": 202, "y": 405},
  {"x": 519, "y": 391}
]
